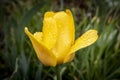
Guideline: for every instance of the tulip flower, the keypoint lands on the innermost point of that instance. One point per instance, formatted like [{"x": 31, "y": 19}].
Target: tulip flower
[{"x": 56, "y": 43}]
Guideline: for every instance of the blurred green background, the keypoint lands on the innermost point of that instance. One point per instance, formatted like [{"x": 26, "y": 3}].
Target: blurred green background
[{"x": 100, "y": 61}]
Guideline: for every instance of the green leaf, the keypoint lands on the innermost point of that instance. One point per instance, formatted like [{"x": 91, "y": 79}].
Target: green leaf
[{"x": 29, "y": 14}]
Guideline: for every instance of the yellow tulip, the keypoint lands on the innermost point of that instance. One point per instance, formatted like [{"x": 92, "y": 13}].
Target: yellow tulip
[{"x": 56, "y": 43}]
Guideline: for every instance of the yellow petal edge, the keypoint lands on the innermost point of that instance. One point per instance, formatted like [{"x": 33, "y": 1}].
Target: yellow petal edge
[
  {"x": 85, "y": 40},
  {"x": 43, "y": 53}
]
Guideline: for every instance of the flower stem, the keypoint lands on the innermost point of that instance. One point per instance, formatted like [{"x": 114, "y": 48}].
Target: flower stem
[{"x": 58, "y": 73}]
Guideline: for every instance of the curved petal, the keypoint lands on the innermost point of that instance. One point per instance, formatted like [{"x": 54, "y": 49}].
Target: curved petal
[
  {"x": 49, "y": 14},
  {"x": 65, "y": 24},
  {"x": 50, "y": 32},
  {"x": 85, "y": 40},
  {"x": 44, "y": 55},
  {"x": 38, "y": 36},
  {"x": 69, "y": 58}
]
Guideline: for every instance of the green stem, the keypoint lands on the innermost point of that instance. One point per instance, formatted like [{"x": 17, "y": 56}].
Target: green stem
[{"x": 58, "y": 73}]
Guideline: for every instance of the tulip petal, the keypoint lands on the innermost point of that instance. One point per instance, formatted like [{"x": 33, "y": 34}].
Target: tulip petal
[
  {"x": 50, "y": 32},
  {"x": 38, "y": 36},
  {"x": 69, "y": 58},
  {"x": 49, "y": 14},
  {"x": 44, "y": 54},
  {"x": 65, "y": 24},
  {"x": 85, "y": 40}
]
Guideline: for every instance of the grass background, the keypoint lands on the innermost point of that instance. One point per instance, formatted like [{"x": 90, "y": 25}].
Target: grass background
[{"x": 100, "y": 61}]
